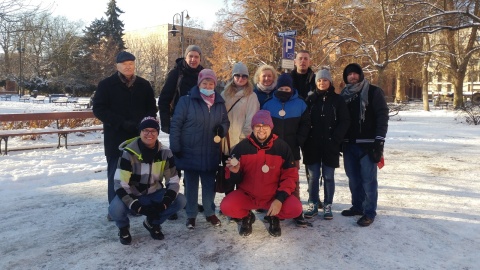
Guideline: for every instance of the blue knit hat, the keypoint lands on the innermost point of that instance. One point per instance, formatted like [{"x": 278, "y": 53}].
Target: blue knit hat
[
  {"x": 149, "y": 122},
  {"x": 285, "y": 80}
]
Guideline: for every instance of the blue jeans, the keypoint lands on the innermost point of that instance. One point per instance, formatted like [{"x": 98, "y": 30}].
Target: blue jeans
[
  {"x": 314, "y": 172},
  {"x": 191, "y": 192},
  {"x": 118, "y": 210},
  {"x": 112, "y": 163},
  {"x": 362, "y": 178}
]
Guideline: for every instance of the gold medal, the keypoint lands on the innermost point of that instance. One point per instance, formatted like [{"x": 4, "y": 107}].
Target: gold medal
[
  {"x": 217, "y": 139},
  {"x": 282, "y": 113},
  {"x": 265, "y": 168}
]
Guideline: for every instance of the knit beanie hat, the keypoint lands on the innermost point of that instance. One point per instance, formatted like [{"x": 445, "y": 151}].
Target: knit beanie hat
[
  {"x": 193, "y": 48},
  {"x": 149, "y": 122},
  {"x": 239, "y": 68},
  {"x": 206, "y": 74},
  {"x": 262, "y": 117},
  {"x": 285, "y": 80},
  {"x": 324, "y": 74},
  {"x": 354, "y": 67},
  {"x": 125, "y": 56}
]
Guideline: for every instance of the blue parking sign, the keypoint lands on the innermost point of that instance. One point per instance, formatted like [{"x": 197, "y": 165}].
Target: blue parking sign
[{"x": 288, "y": 48}]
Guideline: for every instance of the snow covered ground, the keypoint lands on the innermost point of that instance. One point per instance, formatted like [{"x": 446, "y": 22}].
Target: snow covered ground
[{"x": 54, "y": 206}]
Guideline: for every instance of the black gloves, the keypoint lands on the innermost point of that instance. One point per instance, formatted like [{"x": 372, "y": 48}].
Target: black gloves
[
  {"x": 135, "y": 206},
  {"x": 130, "y": 126},
  {"x": 218, "y": 130},
  {"x": 376, "y": 152},
  {"x": 146, "y": 210},
  {"x": 149, "y": 210},
  {"x": 168, "y": 198}
]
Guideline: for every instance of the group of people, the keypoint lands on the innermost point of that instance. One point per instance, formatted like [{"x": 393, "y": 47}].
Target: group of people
[{"x": 261, "y": 131}]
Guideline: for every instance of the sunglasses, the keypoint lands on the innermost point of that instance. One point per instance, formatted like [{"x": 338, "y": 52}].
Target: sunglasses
[{"x": 242, "y": 76}]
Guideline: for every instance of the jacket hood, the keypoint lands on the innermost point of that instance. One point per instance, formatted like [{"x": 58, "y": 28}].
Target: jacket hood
[
  {"x": 131, "y": 145},
  {"x": 353, "y": 67}
]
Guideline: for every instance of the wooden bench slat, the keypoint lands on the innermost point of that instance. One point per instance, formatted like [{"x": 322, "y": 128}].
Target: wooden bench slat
[{"x": 61, "y": 132}]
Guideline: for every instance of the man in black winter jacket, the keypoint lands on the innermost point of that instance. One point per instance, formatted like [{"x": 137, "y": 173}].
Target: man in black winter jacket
[
  {"x": 363, "y": 147},
  {"x": 121, "y": 102},
  {"x": 179, "y": 81}
]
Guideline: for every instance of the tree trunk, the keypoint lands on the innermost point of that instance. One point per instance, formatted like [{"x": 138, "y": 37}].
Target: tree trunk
[{"x": 400, "y": 87}]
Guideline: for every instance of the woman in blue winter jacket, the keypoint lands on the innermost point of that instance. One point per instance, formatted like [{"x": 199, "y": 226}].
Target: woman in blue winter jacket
[{"x": 199, "y": 122}]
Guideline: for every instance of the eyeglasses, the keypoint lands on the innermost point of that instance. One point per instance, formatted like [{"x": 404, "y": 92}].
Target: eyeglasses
[
  {"x": 258, "y": 127},
  {"x": 152, "y": 131},
  {"x": 243, "y": 76}
]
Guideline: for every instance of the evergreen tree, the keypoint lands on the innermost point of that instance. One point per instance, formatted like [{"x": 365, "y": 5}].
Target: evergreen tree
[
  {"x": 103, "y": 39},
  {"x": 114, "y": 25}
]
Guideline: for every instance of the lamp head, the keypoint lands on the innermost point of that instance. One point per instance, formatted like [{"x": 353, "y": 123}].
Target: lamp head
[{"x": 174, "y": 31}]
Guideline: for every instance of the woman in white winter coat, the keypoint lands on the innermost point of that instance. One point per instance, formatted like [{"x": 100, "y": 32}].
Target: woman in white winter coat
[{"x": 241, "y": 103}]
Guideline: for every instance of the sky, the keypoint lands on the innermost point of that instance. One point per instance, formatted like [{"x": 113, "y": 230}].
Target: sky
[
  {"x": 138, "y": 13},
  {"x": 54, "y": 206}
]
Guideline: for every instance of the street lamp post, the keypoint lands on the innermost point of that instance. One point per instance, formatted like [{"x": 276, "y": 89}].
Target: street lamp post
[
  {"x": 174, "y": 30},
  {"x": 20, "y": 50}
]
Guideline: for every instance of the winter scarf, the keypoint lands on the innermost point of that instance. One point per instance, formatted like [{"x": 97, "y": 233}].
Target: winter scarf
[
  {"x": 267, "y": 89},
  {"x": 351, "y": 92}
]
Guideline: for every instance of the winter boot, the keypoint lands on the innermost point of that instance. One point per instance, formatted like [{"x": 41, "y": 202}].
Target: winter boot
[
  {"x": 246, "y": 225},
  {"x": 301, "y": 222},
  {"x": 274, "y": 228},
  {"x": 312, "y": 210},
  {"x": 154, "y": 229},
  {"x": 124, "y": 234},
  {"x": 327, "y": 212}
]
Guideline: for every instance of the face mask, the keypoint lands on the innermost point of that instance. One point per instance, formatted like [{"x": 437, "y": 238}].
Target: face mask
[
  {"x": 283, "y": 96},
  {"x": 207, "y": 92}
]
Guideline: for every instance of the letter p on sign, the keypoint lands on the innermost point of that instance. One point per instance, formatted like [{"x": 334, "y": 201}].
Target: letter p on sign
[{"x": 288, "y": 48}]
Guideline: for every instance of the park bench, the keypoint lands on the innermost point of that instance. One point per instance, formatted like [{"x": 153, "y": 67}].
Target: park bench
[
  {"x": 82, "y": 102},
  {"x": 24, "y": 98},
  {"x": 6, "y": 97},
  {"x": 57, "y": 119},
  {"x": 39, "y": 99},
  {"x": 61, "y": 100}
]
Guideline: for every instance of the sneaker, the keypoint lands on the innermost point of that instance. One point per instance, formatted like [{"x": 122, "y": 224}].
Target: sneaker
[
  {"x": 246, "y": 225},
  {"x": 154, "y": 229},
  {"x": 312, "y": 210},
  {"x": 274, "y": 228},
  {"x": 301, "y": 222},
  {"x": 191, "y": 223},
  {"x": 173, "y": 217},
  {"x": 327, "y": 212},
  {"x": 351, "y": 212},
  {"x": 364, "y": 221},
  {"x": 124, "y": 235},
  {"x": 214, "y": 220}
]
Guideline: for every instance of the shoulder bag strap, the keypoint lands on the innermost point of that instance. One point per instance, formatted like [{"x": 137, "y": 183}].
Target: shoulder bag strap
[{"x": 232, "y": 108}]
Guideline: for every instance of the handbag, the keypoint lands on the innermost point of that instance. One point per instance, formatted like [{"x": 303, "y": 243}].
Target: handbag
[
  {"x": 220, "y": 182},
  {"x": 221, "y": 185}
]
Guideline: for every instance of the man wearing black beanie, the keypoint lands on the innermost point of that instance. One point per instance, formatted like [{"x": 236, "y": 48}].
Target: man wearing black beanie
[{"x": 363, "y": 147}]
